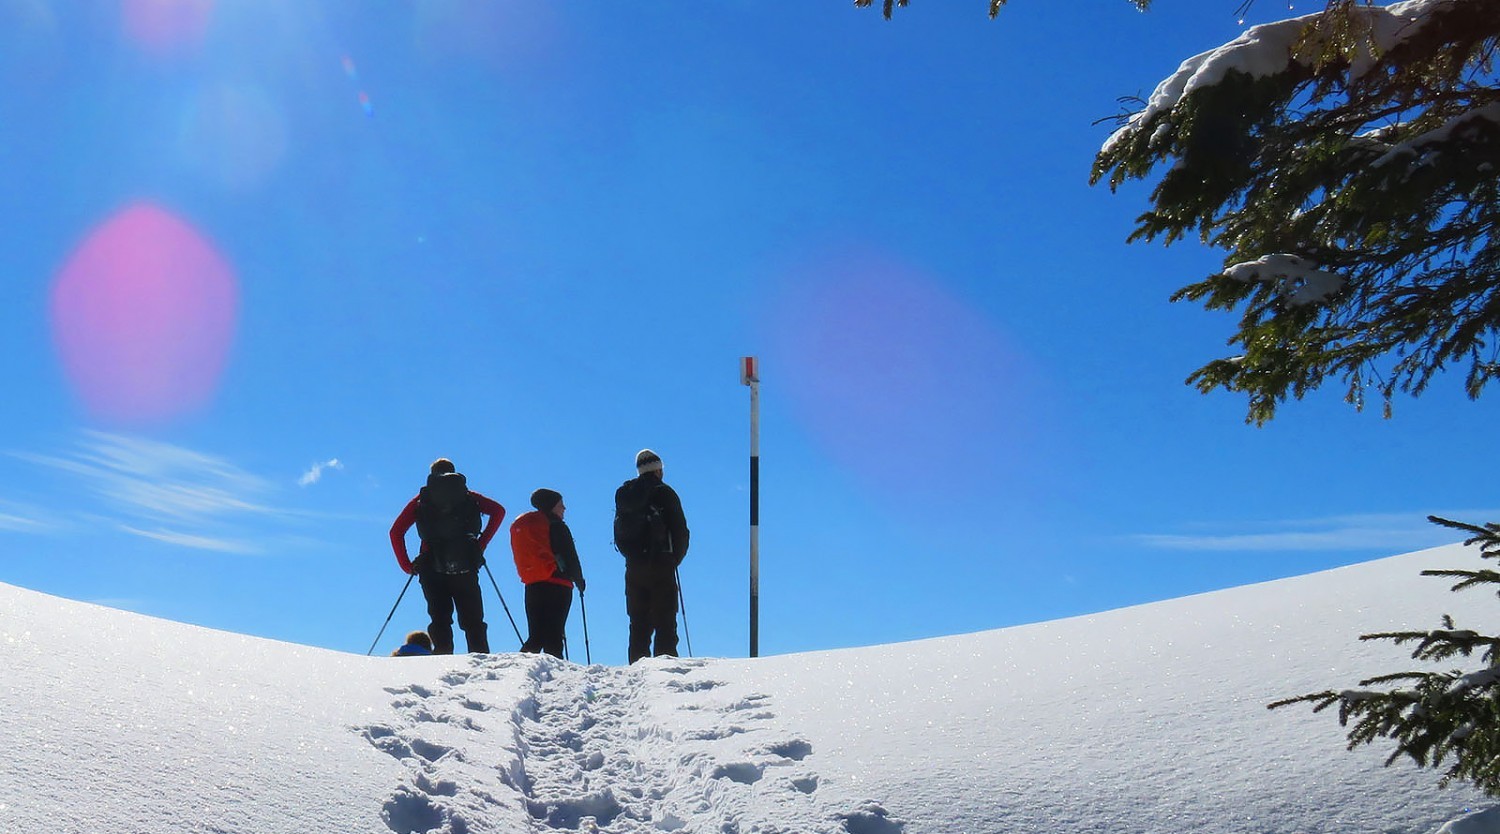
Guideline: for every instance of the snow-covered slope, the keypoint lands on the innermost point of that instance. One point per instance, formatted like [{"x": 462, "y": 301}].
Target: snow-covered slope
[{"x": 1147, "y": 719}]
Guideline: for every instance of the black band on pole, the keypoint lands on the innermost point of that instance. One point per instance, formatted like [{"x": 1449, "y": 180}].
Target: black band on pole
[
  {"x": 755, "y": 490},
  {"x": 755, "y": 568}
]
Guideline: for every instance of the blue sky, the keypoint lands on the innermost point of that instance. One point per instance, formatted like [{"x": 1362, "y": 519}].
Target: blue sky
[{"x": 537, "y": 237}]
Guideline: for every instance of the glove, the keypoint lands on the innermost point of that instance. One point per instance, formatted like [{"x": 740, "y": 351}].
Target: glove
[
  {"x": 580, "y": 583},
  {"x": 416, "y": 566}
]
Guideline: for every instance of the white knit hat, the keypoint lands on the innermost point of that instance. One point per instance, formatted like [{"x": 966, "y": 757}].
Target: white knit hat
[{"x": 647, "y": 461}]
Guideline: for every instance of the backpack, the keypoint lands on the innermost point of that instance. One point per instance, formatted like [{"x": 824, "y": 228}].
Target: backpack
[
  {"x": 448, "y": 521},
  {"x": 640, "y": 527},
  {"x": 531, "y": 544}
]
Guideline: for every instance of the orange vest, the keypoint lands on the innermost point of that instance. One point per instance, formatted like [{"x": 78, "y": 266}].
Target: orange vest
[{"x": 531, "y": 544}]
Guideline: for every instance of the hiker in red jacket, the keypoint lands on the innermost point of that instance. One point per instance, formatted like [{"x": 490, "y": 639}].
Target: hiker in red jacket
[
  {"x": 547, "y": 562},
  {"x": 446, "y": 513}
]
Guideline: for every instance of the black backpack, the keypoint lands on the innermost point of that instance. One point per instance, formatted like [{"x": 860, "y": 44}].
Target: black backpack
[
  {"x": 448, "y": 521},
  {"x": 640, "y": 527}
]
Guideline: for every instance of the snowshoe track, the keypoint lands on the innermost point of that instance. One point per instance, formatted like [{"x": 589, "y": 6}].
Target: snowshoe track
[{"x": 517, "y": 743}]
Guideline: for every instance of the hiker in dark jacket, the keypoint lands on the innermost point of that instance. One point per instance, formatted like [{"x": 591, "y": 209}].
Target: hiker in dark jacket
[
  {"x": 651, "y": 556},
  {"x": 547, "y": 562},
  {"x": 417, "y": 644},
  {"x": 446, "y": 513}
]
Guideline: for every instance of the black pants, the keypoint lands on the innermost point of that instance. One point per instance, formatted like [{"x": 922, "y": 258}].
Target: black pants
[
  {"x": 446, "y": 592},
  {"x": 651, "y": 605},
  {"x": 547, "y": 605}
]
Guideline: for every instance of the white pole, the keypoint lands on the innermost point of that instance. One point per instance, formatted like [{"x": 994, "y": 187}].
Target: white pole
[{"x": 750, "y": 375}]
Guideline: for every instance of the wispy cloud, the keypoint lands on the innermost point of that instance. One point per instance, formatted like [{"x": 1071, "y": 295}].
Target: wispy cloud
[
  {"x": 193, "y": 540},
  {"x": 26, "y": 518},
  {"x": 1392, "y": 532},
  {"x": 315, "y": 474},
  {"x": 21, "y": 524},
  {"x": 164, "y": 492},
  {"x": 158, "y": 479}
]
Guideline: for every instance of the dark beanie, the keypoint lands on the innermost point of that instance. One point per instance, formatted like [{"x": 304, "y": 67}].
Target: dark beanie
[{"x": 546, "y": 499}]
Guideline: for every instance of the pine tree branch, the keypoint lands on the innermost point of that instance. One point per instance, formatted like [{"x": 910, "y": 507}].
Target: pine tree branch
[
  {"x": 1447, "y": 719},
  {"x": 1371, "y": 165}
]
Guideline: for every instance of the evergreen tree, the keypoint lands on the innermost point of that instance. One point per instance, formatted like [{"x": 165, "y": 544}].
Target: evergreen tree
[
  {"x": 1434, "y": 717},
  {"x": 1346, "y": 161}
]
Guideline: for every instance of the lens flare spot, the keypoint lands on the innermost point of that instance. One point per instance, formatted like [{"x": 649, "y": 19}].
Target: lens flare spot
[
  {"x": 162, "y": 27},
  {"x": 894, "y": 376},
  {"x": 234, "y": 136},
  {"x": 143, "y": 315},
  {"x": 515, "y": 37}
]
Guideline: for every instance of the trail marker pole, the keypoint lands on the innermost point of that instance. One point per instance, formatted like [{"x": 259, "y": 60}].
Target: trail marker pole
[{"x": 750, "y": 375}]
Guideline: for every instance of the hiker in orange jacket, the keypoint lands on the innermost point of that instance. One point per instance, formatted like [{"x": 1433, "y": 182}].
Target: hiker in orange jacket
[{"x": 547, "y": 562}]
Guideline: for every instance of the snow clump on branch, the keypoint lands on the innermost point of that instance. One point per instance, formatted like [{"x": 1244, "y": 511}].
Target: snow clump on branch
[{"x": 1301, "y": 282}]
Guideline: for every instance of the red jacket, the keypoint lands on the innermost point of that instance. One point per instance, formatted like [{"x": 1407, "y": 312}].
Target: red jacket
[{"x": 408, "y": 517}]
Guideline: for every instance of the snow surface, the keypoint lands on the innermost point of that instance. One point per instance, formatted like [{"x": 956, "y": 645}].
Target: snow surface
[{"x": 1145, "y": 719}]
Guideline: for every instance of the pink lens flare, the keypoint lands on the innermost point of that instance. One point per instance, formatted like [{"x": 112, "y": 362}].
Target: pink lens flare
[
  {"x": 892, "y": 374},
  {"x": 514, "y": 37},
  {"x": 162, "y": 27},
  {"x": 143, "y": 315}
]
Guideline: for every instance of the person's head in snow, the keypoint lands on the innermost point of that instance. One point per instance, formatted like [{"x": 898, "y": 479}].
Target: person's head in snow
[
  {"x": 652, "y": 533},
  {"x": 547, "y": 563},
  {"x": 417, "y": 643},
  {"x": 447, "y": 515}
]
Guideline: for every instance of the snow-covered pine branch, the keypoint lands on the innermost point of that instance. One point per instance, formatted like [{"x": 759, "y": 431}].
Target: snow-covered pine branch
[{"x": 1344, "y": 161}]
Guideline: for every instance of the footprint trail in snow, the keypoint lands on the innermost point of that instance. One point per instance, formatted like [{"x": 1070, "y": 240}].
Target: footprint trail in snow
[{"x": 516, "y": 743}]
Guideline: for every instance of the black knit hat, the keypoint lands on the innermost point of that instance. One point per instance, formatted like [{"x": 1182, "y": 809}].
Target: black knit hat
[{"x": 545, "y": 499}]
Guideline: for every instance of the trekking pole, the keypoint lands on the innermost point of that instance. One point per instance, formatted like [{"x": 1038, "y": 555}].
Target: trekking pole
[
  {"x": 584, "y": 609},
  {"x": 388, "y": 617},
  {"x": 519, "y": 638},
  {"x": 682, "y": 603}
]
